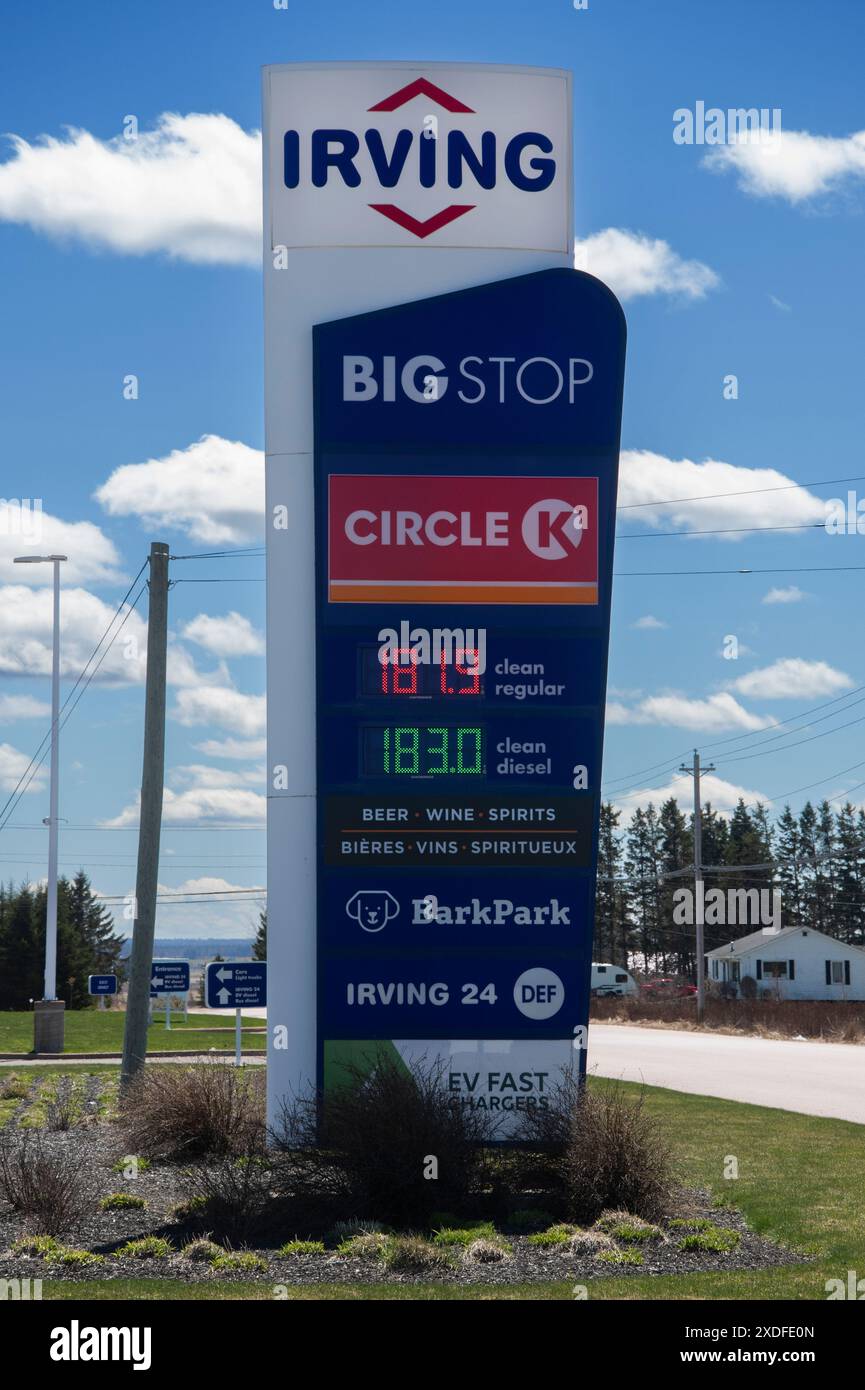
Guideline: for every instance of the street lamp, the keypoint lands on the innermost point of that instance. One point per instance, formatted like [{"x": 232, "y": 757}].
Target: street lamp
[{"x": 48, "y": 1012}]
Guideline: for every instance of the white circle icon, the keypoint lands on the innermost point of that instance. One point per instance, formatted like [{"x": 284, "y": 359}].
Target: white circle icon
[
  {"x": 539, "y": 993},
  {"x": 547, "y": 524}
]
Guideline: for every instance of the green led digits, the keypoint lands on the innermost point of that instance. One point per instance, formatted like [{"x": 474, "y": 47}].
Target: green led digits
[{"x": 413, "y": 751}]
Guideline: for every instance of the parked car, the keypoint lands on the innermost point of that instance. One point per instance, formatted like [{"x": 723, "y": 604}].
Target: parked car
[
  {"x": 611, "y": 980},
  {"x": 667, "y": 987}
]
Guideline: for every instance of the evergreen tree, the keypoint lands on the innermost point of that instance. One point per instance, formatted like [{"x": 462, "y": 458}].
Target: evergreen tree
[
  {"x": 675, "y": 942},
  {"x": 21, "y": 960},
  {"x": 259, "y": 945},
  {"x": 643, "y": 864},
  {"x": 95, "y": 925},
  {"x": 789, "y": 869}
]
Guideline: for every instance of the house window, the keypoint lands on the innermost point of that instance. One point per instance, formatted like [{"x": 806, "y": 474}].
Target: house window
[
  {"x": 735, "y": 970},
  {"x": 837, "y": 972},
  {"x": 775, "y": 969},
  {"x": 621, "y": 979}
]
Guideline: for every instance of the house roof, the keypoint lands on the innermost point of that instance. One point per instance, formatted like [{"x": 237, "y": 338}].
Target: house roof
[{"x": 756, "y": 940}]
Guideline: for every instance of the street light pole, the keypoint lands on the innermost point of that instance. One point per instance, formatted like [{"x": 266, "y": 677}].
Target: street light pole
[{"x": 48, "y": 1012}]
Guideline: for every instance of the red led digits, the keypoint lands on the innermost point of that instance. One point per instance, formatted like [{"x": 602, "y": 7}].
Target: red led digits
[
  {"x": 403, "y": 677},
  {"x": 468, "y": 666}
]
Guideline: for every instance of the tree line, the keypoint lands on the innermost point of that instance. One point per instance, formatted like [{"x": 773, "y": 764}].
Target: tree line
[
  {"x": 816, "y": 861},
  {"x": 87, "y": 943}
]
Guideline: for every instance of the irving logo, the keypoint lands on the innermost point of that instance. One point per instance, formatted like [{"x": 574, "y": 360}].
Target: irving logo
[{"x": 426, "y": 539}]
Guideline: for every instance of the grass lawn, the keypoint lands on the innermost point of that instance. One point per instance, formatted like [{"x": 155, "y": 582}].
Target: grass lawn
[
  {"x": 801, "y": 1183},
  {"x": 97, "y": 1030}
]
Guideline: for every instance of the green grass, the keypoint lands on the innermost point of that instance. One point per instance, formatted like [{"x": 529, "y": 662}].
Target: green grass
[{"x": 97, "y": 1030}]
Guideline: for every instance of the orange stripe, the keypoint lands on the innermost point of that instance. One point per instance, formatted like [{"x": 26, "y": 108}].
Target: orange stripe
[{"x": 459, "y": 593}]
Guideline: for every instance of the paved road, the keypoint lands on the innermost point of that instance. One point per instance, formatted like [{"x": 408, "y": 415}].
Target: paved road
[{"x": 811, "y": 1077}]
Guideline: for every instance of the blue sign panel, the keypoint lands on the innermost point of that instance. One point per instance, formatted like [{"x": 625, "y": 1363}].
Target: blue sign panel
[
  {"x": 235, "y": 984},
  {"x": 466, "y": 468},
  {"x": 101, "y": 984},
  {"x": 169, "y": 977}
]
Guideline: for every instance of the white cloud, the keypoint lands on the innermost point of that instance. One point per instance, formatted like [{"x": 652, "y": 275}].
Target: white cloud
[
  {"x": 792, "y": 594},
  {"x": 779, "y": 304},
  {"x": 633, "y": 264},
  {"x": 241, "y": 749},
  {"x": 722, "y": 795},
  {"x": 648, "y": 623},
  {"x": 13, "y": 765},
  {"x": 190, "y": 188},
  {"x": 203, "y": 776},
  {"x": 26, "y": 626},
  {"x": 229, "y": 635},
  {"x": 223, "y": 707},
  {"x": 201, "y": 803},
  {"x": 791, "y": 164},
  {"x": 647, "y": 478},
  {"x": 792, "y": 678},
  {"x": 212, "y": 491},
  {"x": 22, "y": 707},
  {"x": 92, "y": 558},
  {"x": 715, "y": 713}
]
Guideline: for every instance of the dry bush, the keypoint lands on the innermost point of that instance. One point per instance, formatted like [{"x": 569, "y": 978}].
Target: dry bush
[
  {"x": 599, "y": 1149},
  {"x": 834, "y": 1020},
  {"x": 376, "y": 1136},
  {"x": 230, "y": 1197},
  {"x": 45, "y": 1185},
  {"x": 209, "y": 1110}
]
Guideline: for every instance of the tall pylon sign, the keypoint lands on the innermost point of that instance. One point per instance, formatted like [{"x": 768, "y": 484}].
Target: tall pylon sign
[{"x": 443, "y": 398}]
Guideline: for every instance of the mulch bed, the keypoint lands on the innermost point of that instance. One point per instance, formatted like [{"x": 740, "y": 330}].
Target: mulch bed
[{"x": 95, "y": 1147}]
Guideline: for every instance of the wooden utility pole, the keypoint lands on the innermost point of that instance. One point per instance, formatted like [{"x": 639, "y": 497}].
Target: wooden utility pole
[
  {"x": 150, "y": 821},
  {"x": 699, "y": 898}
]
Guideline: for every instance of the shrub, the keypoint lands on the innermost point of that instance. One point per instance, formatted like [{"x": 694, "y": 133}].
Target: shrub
[
  {"x": 376, "y": 1134},
  {"x": 464, "y": 1235},
  {"x": 45, "y": 1186},
  {"x": 187, "y": 1211},
  {"x": 560, "y": 1234},
  {"x": 301, "y": 1247},
  {"x": 413, "y": 1253},
  {"x": 245, "y": 1259},
  {"x": 192, "y": 1112},
  {"x": 621, "y": 1257},
  {"x": 717, "y": 1238},
  {"x": 141, "y": 1164},
  {"x": 72, "y": 1258},
  {"x": 146, "y": 1248},
  {"x": 122, "y": 1201},
  {"x": 530, "y": 1219},
  {"x": 368, "y": 1247},
  {"x": 230, "y": 1197},
  {"x": 202, "y": 1249},
  {"x": 600, "y": 1150},
  {"x": 34, "y": 1245},
  {"x": 591, "y": 1243},
  {"x": 344, "y": 1230},
  {"x": 486, "y": 1252},
  {"x": 14, "y": 1087}
]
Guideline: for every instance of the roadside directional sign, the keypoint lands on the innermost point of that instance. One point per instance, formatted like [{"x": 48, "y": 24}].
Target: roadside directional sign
[
  {"x": 169, "y": 977},
  {"x": 101, "y": 984},
  {"x": 235, "y": 984}
]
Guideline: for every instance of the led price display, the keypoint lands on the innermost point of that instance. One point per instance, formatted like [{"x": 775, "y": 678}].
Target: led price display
[
  {"x": 400, "y": 673},
  {"x": 422, "y": 750}
]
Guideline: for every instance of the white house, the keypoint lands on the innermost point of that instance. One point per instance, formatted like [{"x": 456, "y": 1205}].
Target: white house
[{"x": 793, "y": 963}]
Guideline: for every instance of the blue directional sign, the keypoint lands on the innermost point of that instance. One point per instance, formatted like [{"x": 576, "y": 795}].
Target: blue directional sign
[
  {"x": 169, "y": 977},
  {"x": 235, "y": 984},
  {"x": 101, "y": 984},
  {"x": 466, "y": 467}
]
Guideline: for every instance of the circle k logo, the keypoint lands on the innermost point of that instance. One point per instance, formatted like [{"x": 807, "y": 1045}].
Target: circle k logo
[{"x": 550, "y": 526}]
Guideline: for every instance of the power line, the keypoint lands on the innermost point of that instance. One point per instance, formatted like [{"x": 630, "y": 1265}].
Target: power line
[
  {"x": 39, "y": 756},
  {"x": 745, "y": 492}
]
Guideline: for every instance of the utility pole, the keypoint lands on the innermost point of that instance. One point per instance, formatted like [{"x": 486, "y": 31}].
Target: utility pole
[
  {"x": 699, "y": 899},
  {"x": 48, "y": 1012},
  {"x": 149, "y": 821}
]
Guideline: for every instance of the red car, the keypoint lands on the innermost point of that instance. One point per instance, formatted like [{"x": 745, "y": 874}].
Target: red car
[{"x": 667, "y": 987}]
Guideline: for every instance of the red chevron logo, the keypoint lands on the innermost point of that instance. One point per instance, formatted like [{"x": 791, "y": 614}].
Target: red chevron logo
[
  {"x": 421, "y": 87},
  {"x": 422, "y": 229}
]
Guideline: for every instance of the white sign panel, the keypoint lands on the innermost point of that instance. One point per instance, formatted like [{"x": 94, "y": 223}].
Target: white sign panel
[{"x": 442, "y": 155}]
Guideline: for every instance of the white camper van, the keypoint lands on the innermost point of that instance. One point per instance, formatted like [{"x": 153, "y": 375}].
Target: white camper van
[{"x": 610, "y": 979}]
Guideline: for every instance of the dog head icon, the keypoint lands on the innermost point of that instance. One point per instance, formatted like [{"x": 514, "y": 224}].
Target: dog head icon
[{"x": 372, "y": 909}]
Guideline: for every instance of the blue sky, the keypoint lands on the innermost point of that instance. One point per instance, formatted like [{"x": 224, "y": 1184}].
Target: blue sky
[{"x": 727, "y": 261}]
